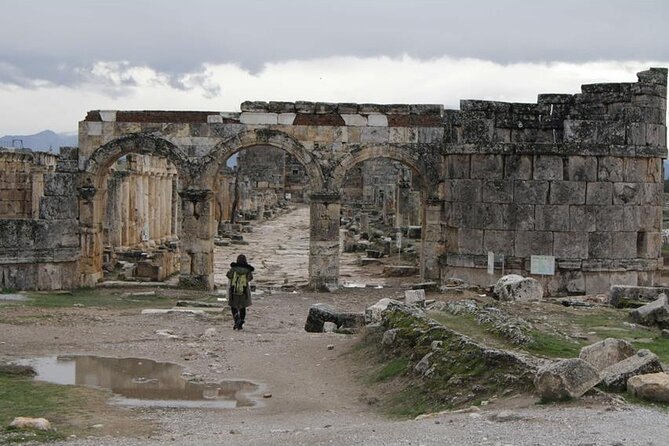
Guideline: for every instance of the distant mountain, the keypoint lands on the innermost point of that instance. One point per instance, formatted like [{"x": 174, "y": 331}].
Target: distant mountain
[{"x": 43, "y": 141}]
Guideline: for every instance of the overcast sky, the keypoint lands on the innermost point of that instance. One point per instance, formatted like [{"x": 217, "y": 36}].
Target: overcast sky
[{"x": 59, "y": 59}]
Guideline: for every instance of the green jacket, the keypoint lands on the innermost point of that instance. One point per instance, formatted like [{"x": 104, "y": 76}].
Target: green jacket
[{"x": 239, "y": 286}]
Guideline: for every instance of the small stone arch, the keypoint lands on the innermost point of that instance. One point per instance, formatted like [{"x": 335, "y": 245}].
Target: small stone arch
[
  {"x": 262, "y": 137},
  {"x": 373, "y": 152}
]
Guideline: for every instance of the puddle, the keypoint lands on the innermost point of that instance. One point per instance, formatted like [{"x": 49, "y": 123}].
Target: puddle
[
  {"x": 13, "y": 297},
  {"x": 143, "y": 382}
]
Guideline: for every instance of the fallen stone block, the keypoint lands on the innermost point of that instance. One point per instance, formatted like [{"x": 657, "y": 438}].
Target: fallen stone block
[
  {"x": 41, "y": 424},
  {"x": 374, "y": 313},
  {"x": 171, "y": 311},
  {"x": 198, "y": 304},
  {"x": 427, "y": 286},
  {"x": 615, "y": 376},
  {"x": 321, "y": 313},
  {"x": 654, "y": 314},
  {"x": 414, "y": 297},
  {"x": 374, "y": 254},
  {"x": 513, "y": 287},
  {"x": 634, "y": 296},
  {"x": 389, "y": 336},
  {"x": 605, "y": 353},
  {"x": 399, "y": 271},
  {"x": 565, "y": 379},
  {"x": 651, "y": 387}
]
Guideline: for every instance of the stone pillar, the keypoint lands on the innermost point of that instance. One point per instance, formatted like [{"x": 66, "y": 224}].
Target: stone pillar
[
  {"x": 125, "y": 209},
  {"x": 90, "y": 223},
  {"x": 145, "y": 230},
  {"x": 364, "y": 223},
  {"x": 197, "y": 239},
  {"x": 324, "y": 239},
  {"x": 113, "y": 210},
  {"x": 431, "y": 246}
]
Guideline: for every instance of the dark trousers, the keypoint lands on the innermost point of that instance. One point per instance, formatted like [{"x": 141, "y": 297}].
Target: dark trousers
[{"x": 239, "y": 314}]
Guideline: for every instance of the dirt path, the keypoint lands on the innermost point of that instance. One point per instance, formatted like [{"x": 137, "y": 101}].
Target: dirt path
[{"x": 316, "y": 396}]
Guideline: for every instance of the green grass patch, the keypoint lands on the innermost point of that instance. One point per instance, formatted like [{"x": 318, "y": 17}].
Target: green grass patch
[
  {"x": 20, "y": 396},
  {"x": 553, "y": 345},
  {"x": 91, "y": 297},
  {"x": 411, "y": 402},
  {"x": 396, "y": 367},
  {"x": 466, "y": 324}
]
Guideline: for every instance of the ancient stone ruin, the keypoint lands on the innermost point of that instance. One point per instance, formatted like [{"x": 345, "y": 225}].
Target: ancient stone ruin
[{"x": 575, "y": 179}]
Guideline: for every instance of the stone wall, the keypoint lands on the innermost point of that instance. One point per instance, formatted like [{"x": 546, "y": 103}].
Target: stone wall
[
  {"x": 39, "y": 232},
  {"x": 578, "y": 177}
]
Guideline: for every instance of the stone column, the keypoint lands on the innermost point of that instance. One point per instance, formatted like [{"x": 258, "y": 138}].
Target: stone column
[
  {"x": 175, "y": 207},
  {"x": 145, "y": 230},
  {"x": 113, "y": 209},
  {"x": 364, "y": 223},
  {"x": 324, "y": 239},
  {"x": 125, "y": 209},
  {"x": 197, "y": 239},
  {"x": 431, "y": 246},
  {"x": 90, "y": 224}
]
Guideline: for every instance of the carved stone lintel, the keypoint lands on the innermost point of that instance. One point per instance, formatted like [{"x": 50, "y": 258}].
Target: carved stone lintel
[
  {"x": 196, "y": 195},
  {"x": 325, "y": 197}
]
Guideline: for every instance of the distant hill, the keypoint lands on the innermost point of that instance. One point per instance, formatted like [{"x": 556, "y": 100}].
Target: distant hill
[{"x": 43, "y": 141}]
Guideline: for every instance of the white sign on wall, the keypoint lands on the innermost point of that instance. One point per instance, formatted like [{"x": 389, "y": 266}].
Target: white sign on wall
[
  {"x": 542, "y": 265},
  {"x": 491, "y": 263}
]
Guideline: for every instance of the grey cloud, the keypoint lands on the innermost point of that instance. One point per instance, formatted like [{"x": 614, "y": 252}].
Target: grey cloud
[{"x": 178, "y": 37}]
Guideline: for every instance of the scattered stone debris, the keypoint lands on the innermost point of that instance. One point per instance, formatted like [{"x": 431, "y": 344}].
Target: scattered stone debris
[
  {"x": 321, "y": 313},
  {"x": 606, "y": 353},
  {"x": 415, "y": 297},
  {"x": 513, "y": 287},
  {"x": 566, "y": 379},
  {"x": 493, "y": 319},
  {"x": 399, "y": 271},
  {"x": 41, "y": 424},
  {"x": 17, "y": 370},
  {"x": 330, "y": 347},
  {"x": 198, "y": 304},
  {"x": 651, "y": 387},
  {"x": 615, "y": 376},
  {"x": 634, "y": 296},
  {"x": 655, "y": 313},
  {"x": 159, "y": 311},
  {"x": 167, "y": 334},
  {"x": 427, "y": 286},
  {"x": 374, "y": 313}
]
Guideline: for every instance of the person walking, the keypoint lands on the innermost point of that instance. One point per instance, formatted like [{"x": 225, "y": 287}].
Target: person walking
[{"x": 239, "y": 289}]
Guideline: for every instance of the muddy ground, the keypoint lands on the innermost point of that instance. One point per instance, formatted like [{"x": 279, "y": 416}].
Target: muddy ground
[{"x": 314, "y": 385}]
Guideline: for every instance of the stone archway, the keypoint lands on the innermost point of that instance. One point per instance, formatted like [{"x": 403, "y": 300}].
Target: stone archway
[
  {"x": 431, "y": 243},
  {"x": 92, "y": 189}
]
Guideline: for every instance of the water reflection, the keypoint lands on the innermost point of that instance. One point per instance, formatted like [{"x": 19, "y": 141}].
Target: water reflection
[{"x": 143, "y": 382}]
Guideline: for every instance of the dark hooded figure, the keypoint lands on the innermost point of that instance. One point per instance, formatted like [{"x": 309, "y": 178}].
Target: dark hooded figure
[{"x": 239, "y": 289}]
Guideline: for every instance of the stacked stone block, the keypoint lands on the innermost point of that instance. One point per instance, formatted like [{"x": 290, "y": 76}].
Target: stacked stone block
[
  {"x": 576, "y": 177},
  {"x": 39, "y": 246}
]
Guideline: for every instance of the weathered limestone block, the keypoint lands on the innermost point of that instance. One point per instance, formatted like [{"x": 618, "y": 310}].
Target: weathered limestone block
[
  {"x": 610, "y": 169},
  {"x": 609, "y": 218},
  {"x": 457, "y": 166},
  {"x": 570, "y": 245},
  {"x": 354, "y": 120},
  {"x": 651, "y": 387},
  {"x": 567, "y": 192},
  {"x": 487, "y": 166},
  {"x": 627, "y": 193},
  {"x": 583, "y": 218},
  {"x": 635, "y": 169},
  {"x": 552, "y": 218},
  {"x": 547, "y": 167},
  {"x": 463, "y": 190},
  {"x": 499, "y": 242},
  {"x": 476, "y": 128},
  {"x": 414, "y": 297},
  {"x": 518, "y": 216},
  {"x": 615, "y": 377},
  {"x": 655, "y": 313},
  {"x": 321, "y": 313},
  {"x": 530, "y": 243},
  {"x": 530, "y": 192},
  {"x": 58, "y": 207},
  {"x": 374, "y": 313},
  {"x": 497, "y": 191},
  {"x": 600, "y": 245},
  {"x": 470, "y": 241},
  {"x": 624, "y": 246},
  {"x": 374, "y": 135},
  {"x": 513, "y": 287},
  {"x": 253, "y": 118},
  {"x": 56, "y": 183},
  {"x": 599, "y": 193},
  {"x": 389, "y": 336},
  {"x": 582, "y": 168},
  {"x": 606, "y": 353},
  {"x": 565, "y": 379},
  {"x": 649, "y": 245},
  {"x": 518, "y": 167}
]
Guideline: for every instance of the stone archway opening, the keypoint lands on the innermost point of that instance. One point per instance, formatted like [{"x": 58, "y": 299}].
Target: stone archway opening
[
  {"x": 383, "y": 201},
  {"x": 129, "y": 210},
  {"x": 140, "y": 228},
  {"x": 262, "y": 195}
]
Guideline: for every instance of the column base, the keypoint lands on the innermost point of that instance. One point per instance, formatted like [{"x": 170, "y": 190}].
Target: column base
[
  {"x": 194, "y": 282},
  {"x": 91, "y": 280}
]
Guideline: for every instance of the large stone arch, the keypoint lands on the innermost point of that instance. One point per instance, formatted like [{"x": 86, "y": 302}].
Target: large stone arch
[
  {"x": 431, "y": 243},
  {"x": 92, "y": 187},
  {"x": 261, "y": 137}
]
